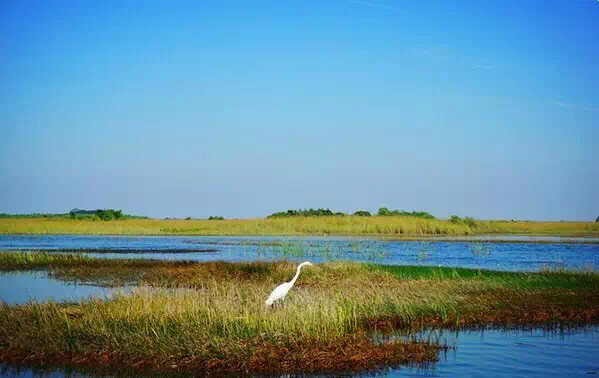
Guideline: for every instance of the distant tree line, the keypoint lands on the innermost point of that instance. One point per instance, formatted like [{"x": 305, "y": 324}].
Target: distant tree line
[
  {"x": 212, "y": 217},
  {"x": 109, "y": 214},
  {"x": 383, "y": 211},
  {"x": 101, "y": 214},
  {"x": 304, "y": 213},
  {"x": 34, "y": 215},
  {"x": 98, "y": 214}
]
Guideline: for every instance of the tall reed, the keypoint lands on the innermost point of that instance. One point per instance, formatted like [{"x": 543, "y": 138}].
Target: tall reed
[{"x": 387, "y": 226}]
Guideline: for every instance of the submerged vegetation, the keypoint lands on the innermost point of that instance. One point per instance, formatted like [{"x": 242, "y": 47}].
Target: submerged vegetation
[
  {"x": 209, "y": 317},
  {"x": 370, "y": 250}
]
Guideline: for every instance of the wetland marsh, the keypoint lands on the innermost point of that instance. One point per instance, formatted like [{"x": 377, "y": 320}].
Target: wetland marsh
[
  {"x": 206, "y": 316},
  {"x": 380, "y": 226}
]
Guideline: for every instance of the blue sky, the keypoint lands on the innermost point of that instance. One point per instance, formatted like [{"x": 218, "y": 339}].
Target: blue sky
[{"x": 242, "y": 108}]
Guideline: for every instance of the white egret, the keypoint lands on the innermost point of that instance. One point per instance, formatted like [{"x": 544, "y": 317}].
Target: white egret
[{"x": 281, "y": 291}]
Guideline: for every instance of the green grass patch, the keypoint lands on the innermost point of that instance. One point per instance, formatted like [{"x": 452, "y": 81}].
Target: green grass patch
[
  {"x": 34, "y": 260},
  {"x": 566, "y": 279}
]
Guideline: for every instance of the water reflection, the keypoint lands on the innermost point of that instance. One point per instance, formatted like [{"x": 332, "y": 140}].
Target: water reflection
[
  {"x": 21, "y": 287},
  {"x": 511, "y": 353}
]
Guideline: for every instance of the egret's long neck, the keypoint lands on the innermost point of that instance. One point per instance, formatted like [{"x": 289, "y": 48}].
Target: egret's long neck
[{"x": 296, "y": 275}]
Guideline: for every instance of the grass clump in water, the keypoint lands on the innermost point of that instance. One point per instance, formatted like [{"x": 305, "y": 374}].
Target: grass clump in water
[{"x": 35, "y": 260}]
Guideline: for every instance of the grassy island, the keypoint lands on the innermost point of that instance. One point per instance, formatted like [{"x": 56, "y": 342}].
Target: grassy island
[{"x": 209, "y": 317}]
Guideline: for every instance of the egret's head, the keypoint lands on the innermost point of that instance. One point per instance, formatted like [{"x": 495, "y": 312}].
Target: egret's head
[{"x": 307, "y": 263}]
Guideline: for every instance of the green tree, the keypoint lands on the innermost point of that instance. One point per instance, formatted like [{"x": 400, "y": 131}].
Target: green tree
[
  {"x": 108, "y": 214},
  {"x": 384, "y": 211}
]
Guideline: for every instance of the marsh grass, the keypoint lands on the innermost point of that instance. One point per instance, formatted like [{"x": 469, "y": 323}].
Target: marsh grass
[
  {"x": 29, "y": 260},
  {"x": 389, "y": 226},
  {"x": 325, "y": 250},
  {"x": 538, "y": 228},
  {"x": 210, "y": 317}
]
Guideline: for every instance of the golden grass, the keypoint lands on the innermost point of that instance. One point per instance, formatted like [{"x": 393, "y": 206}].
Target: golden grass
[
  {"x": 210, "y": 317},
  {"x": 333, "y": 225},
  {"x": 539, "y": 228}
]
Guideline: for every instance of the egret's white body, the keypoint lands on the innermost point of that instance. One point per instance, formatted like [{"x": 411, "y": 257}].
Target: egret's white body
[{"x": 281, "y": 291}]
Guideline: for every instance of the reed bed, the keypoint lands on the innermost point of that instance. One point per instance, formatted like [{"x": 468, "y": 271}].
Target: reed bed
[
  {"x": 538, "y": 228},
  {"x": 209, "y": 318},
  {"x": 28, "y": 260},
  {"x": 387, "y": 226}
]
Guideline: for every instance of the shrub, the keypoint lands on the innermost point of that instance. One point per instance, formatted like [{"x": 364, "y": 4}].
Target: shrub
[
  {"x": 303, "y": 213},
  {"x": 383, "y": 211},
  {"x": 109, "y": 214},
  {"x": 362, "y": 213},
  {"x": 213, "y": 217},
  {"x": 470, "y": 222},
  {"x": 79, "y": 213}
]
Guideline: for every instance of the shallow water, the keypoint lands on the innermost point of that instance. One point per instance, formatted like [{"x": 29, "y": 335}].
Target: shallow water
[
  {"x": 21, "y": 287},
  {"x": 516, "y": 256},
  {"x": 488, "y": 353},
  {"x": 514, "y": 353},
  {"x": 521, "y": 238}
]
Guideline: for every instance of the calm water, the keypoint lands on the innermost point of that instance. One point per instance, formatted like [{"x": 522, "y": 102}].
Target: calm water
[
  {"x": 488, "y": 353},
  {"x": 21, "y": 287},
  {"x": 532, "y": 353},
  {"x": 515, "y": 353},
  {"x": 521, "y": 238},
  {"x": 520, "y": 256}
]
